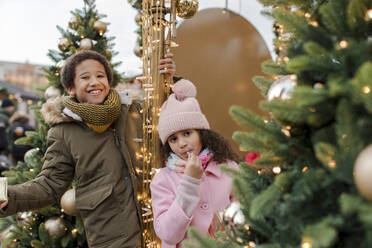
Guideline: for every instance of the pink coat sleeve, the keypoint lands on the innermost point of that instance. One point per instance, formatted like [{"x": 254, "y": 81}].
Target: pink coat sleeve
[{"x": 170, "y": 219}]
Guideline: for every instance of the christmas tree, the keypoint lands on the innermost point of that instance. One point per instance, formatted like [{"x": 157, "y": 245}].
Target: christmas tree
[
  {"x": 311, "y": 186},
  {"x": 56, "y": 226}
]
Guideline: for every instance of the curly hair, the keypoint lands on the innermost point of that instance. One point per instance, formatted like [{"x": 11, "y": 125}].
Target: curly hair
[
  {"x": 68, "y": 70},
  {"x": 212, "y": 140}
]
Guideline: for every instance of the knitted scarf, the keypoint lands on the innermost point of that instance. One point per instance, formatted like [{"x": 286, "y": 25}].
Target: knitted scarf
[
  {"x": 178, "y": 165},
  {"x": 96, "y": 116}
]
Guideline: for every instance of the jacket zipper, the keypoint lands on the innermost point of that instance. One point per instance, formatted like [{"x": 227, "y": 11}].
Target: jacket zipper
[{"x": 118, "y": 145}]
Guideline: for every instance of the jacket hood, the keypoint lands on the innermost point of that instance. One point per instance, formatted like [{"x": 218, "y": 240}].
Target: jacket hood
[
  {"x": 19, "y": 118},
  {"x": 52, "y": 111}
]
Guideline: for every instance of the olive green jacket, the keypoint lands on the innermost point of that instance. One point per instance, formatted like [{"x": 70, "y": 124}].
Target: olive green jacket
[{"x": 103, "y": 164}]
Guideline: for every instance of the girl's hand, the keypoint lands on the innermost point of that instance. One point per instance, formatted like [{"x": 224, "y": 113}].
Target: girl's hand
[
  {"x": 3, "y": 204},
  {"x": 168, "y": 66},
  {"x": 194, "y": 166}
]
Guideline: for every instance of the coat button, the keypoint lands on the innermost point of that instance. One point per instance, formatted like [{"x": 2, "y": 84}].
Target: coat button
[{"x": 204, "y": 206}]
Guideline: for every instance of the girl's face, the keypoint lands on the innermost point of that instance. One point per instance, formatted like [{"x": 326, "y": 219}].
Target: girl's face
[
  {"x": 90, "y": 82},
  {"x": 185, "y": 141}
]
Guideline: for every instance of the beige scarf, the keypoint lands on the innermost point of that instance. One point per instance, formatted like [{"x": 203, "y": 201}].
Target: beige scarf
[{"x": 96, "y": 116}]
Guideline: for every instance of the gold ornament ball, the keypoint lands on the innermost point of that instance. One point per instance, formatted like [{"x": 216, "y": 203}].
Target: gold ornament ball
[
  {"x": 24, "y": 219},
  {"x": 137, "y": 51},
  {"x": 86, "y": 44},
  {"x": 187, "y": 8},
  {"x": 28, "y": 155},
  {"x": 68, "y": 202},
  {"x": 52, "y": 92},
  {"x": 56, "y": 227},
  {"x": 138, "y": 18},
  {"x": 63, "y": 44},
  {"x": 100, "y": 27},
  {"x": 72, "y": 23},
  {"x": 282, "y": 88},
  {"x": 363, "y": 173}
]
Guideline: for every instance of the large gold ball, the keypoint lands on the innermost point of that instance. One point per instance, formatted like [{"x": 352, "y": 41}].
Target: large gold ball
[
  {"x": 52, "y": 92},
  {"x": 56, "y": 227},
  {"x": 63, "y": 44},
  {"x": 72, "y": 23},
  {"x": 100, "y": 27},
  {"x": 86, "y": 44},
  {"x": 187, "y": 8},
  {"x": 68, "y": 202},
  {"x": 137, "y": 51},
  {"x": 363, "y": 173}
]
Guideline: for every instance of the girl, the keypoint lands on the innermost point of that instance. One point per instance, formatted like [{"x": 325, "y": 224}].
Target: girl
[
  {"x": 191, "y": 188},
  {"x": 91, "y": 138}
]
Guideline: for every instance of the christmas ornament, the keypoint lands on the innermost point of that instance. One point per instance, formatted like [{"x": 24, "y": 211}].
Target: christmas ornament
[
  {"x": 56, "y": 227},
  {"x": 72, "y": 23},
  {"x": 138, "y": 18},
  {"x": 234, "y": 215},
  {"x": 24, "y": 219},
  {"x": 100, "y": 27},
  {"x": 187, "y": 8},
  {"x": 6, "y": 234},
  {"x": 52, "y": 92},
  {"x": 29, "y": 154},
  {"x": 282, "y": 88},
  {"x": 86, "y": 44},
  {"x": 363, "y": 173},
  {"x": 137, "y": 51},
  {"x": 68, "y": 203},
  {"x": 63, "y": 44},
  {"x": 60, "y": 64}
]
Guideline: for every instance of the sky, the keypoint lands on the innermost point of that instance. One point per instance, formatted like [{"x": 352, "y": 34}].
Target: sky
[{"x": 28, "y": 27}]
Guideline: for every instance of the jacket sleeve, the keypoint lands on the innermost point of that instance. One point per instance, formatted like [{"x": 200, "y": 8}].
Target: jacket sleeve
[
  {"x": 170, "y": 208},
  {"x": 53, "y": 180}
]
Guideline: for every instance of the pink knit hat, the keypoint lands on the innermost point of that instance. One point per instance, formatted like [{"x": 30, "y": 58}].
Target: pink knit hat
[{"x": 181, "y": 111}]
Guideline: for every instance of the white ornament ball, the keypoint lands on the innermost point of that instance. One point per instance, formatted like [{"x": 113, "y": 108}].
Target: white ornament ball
[
  {"x": 56, "y": 227},
  {"x": 363, "y": 173},
  {"x": 86, "y": 44},
  {"x": 68, "y": 202},
  {"x": 234, "y": 214},
  {"x": 282, "y": 88},
  {"x": 52, "y": 92},
  {"x": 28, "y": 155}
]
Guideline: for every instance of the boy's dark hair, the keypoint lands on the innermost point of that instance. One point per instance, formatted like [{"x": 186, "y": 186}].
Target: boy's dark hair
[
  {"x": 68, "y": 70},
  {"x": 212, "y": 140}
]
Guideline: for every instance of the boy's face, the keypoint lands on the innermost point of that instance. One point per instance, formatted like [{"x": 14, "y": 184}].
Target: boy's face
[
  {"x": 185, "y": 141},
  {"x": 90, "y": 82}
]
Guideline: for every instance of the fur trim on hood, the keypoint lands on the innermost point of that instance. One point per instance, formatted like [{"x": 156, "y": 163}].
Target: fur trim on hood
[{"x": 52, "y": 111}]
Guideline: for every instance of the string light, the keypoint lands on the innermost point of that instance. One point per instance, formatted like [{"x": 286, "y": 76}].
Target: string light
[
  {"x": 332, "y": 164},
  {"x": 318, "y": 85},
  {"x": 366, "y": 89},
  {"x": 368, "y": 16},
  {"x": 286, "y": 132},
  {"x": 277, "y": 170},
  {"x": 306, "y": 243},
  {"x": 343, "y": 44},
  {"x": 304, "y": 169}
]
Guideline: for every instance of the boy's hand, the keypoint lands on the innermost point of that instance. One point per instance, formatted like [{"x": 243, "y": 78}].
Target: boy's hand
[
  {"x": 194, "y": 166},
  {"x": 167, "y": 66},
  {"x": 3, "y": 204}
]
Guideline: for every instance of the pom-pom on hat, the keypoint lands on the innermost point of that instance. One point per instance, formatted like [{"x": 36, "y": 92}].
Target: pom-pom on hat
[{"x": 181, "y": 111}]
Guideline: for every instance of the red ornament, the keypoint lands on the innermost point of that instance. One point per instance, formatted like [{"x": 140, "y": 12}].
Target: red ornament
[{"x": 250, "y": 157}]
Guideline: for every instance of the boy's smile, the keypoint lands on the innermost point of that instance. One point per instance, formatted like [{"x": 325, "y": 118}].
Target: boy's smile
[{"x": 90, "y": 82}]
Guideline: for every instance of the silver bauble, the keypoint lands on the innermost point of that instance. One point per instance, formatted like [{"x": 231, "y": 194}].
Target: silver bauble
[
  {"x": 282, "y": 88},
  {"x": 68, "y": 202},
  {"x": 72, "y": 23},
  {"x": 100, "y": 27},
  {"x": 187, "y": 8},
  {"x": 363, "y": 173},
  {"x": 29, "y": 154},
  {"x": 56, "y": 227},
  {"x": 52, "y": 92},
  {"x": 86, "y": 44},
  {"x": 24, "y": 219},
  {"x": 234, "y": 214}
]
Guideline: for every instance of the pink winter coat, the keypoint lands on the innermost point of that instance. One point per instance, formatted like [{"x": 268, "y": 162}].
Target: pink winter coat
[{"x": 180, "y": 201}]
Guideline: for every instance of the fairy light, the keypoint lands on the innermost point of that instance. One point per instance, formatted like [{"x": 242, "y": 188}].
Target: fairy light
[
  {"x": 318, "y": 85},
  {"x": 74, "y": 231},
  {"x": 332, "y": 164},
  {"x": 304, "y": 169},
  {"x": 366, "y": 89},
  {"x": 307, "y": 15},
  {"x": 343, "y": 44},
  {"x": 368, "y": 16},
  {"x": 252, "y": 244},
  {"x": 314, "y": 24},
  {"x": 277, "y": 170},
  {"x": 286, "y": 59},
  {"x": 286, "y": 132},
  {"x": 306, "y": 243}
]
